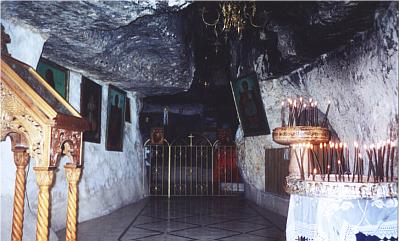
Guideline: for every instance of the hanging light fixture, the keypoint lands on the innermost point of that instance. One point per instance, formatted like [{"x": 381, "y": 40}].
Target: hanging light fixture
[{"x": 235, "y": 17}]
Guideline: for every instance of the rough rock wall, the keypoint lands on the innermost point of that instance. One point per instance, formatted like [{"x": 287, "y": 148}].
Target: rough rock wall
[
  {"x": 136, "y": 45},
  {"x": 110, "y": 179},
  {"x": 360, "y": 80}
]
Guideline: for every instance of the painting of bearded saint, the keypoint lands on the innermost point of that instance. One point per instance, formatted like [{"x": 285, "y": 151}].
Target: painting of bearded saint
[
  {"x": 90, "y": 109},
  {"x": 249, "y": 106},
  {"x": 116, "y": 119}
]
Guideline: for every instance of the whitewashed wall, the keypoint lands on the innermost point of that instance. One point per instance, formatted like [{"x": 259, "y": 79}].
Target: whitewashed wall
[{"x": 110, "y": 179}]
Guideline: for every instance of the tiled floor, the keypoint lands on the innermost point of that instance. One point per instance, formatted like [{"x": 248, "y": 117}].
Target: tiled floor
[{"x": 191, "y": 218}]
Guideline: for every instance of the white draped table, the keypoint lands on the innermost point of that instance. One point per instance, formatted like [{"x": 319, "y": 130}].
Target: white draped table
[{"x": 333, "y": 219}]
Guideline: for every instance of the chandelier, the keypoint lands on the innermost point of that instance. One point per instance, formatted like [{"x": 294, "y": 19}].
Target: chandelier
[{"x": 232, "y": 17}]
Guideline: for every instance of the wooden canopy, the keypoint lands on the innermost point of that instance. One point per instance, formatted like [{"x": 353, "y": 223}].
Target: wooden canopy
[{"x": 34, "y": 115}]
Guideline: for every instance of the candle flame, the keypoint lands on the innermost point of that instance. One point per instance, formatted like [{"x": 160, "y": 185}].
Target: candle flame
[
  {"x": 282, "y": 103},
  {"x": 329, "y": 102},
  {"x": 304, "y": 105},
  {"x": 356, "y": 144},
  {"x": 360, "y": 155},
  {"x": 300, "y": 99},
  {"x": 393, "y": 143},
  {"x": 345, "y": 145},
  {"x": 372, "y": 146},
  {"x": 328, "y": 166},
  {"x": 315, "y": 103},
  {"x": 321, "y": 145},
  {"x": 315, "y": 171},
  {"x": 325, "y": 144},
  {"x": 339, "y": 162},
  {"x": 340, "y": 145},
  {"x": 310, "y": 100},
  {"x": 365, "y": 146},
  {"x": 336, "y": 145}
]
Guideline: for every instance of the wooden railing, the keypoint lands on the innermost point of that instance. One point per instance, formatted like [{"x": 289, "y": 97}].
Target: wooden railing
[{"x": 276, "y": 169}]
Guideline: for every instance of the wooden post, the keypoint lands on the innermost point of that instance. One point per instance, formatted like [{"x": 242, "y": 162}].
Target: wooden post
[
  {"x": 72, "y": 173},
  {"x": 44, "y": 179},
  {"x": 21, "y": 160}
]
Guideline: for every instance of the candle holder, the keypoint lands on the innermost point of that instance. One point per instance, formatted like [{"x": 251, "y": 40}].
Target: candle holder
[
  {"x": 301, "y": 134},
  {"x": 341, "y": 190}
]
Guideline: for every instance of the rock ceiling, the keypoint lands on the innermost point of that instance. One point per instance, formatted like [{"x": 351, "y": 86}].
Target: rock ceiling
[{"x": 151, "y": 46}]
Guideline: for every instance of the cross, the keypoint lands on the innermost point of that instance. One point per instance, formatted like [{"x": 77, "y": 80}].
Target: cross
[{"x": 191, "y": 139}]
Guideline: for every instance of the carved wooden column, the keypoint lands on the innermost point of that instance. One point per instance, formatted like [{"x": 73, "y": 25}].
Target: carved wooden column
[
  {"x": 44, "y": 179},
  {"x": 72, "y": 173},
  {"x": 21, "y": 159}
]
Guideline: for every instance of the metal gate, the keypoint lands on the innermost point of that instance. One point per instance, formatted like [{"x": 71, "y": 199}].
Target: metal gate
[{"x": 191, "y": 166}]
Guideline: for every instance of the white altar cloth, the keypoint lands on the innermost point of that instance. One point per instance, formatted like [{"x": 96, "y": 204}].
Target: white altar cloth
[{"x": 330, "y": 219}]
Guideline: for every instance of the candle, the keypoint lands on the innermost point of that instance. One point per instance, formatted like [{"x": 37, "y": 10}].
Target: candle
[
  {"x": 339, "y": 170},
  {"x": 374, "y": 151},
  {"x": 360, "y": 175},
  {"x": 336, "y": 159},
  {"x": 393, "y": 145},
  {"x": 325, "y": 159},
  {"x": 322, "y": 160},
  {"x": 340, "y": 151},
  {"x": 383, "y": 147},
  {"x": 295, "y": 113},
  {"x": 328, "y": 171},
  {"x": 379, "y": 152},
  {"x": 355, "y": 162},
  {"x": 289, "y": 112},
  {"x": 282, "y": 114},
  {"x": 305, "y": 114},
  {"x": 346, "y": 156},
  {"x": 387, "y": 162},
  {"x": 314, "y": 173},
  {"x": 316, "y": 114},
  {"x": 369, "y": 164},
  {"x": 324, "y": 123}
]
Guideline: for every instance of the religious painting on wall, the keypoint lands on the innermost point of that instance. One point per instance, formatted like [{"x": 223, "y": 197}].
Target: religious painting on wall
[
  {"x": 249, "y": 105},
  {"x": 90, "y": 109},
  {"x": 57, "y": 76},
  {"x": 127, "y": 115},
  {"x": 157, "y": 136},
  {"x": 115, "y": 119}
]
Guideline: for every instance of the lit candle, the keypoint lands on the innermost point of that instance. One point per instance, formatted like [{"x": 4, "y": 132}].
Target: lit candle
[
  {"x": 370, "y": 165},
  {"x": 393, "y": 145},
  {"x": 305, "y": 114},
  {"x": 346, "y": 156},
  {"x": 383, "y": 147},
  {"x": 322, "y": 160},
  {"x": 355, "y": 162},
  {"x": 282, "y": 114},
  {"x": 316, "y": 114},
  {"x": 388, "y": 156},
  {"x": 336, "y": 159},
  {"x": 295, "y": 114},
  {"x": 379, "y": 161},
  {"x": 374, "y": 151},
  {"x": 339, "y": 170},
  {"x": 289, "y": 112},
  {"x": 360, "y": 174}
]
